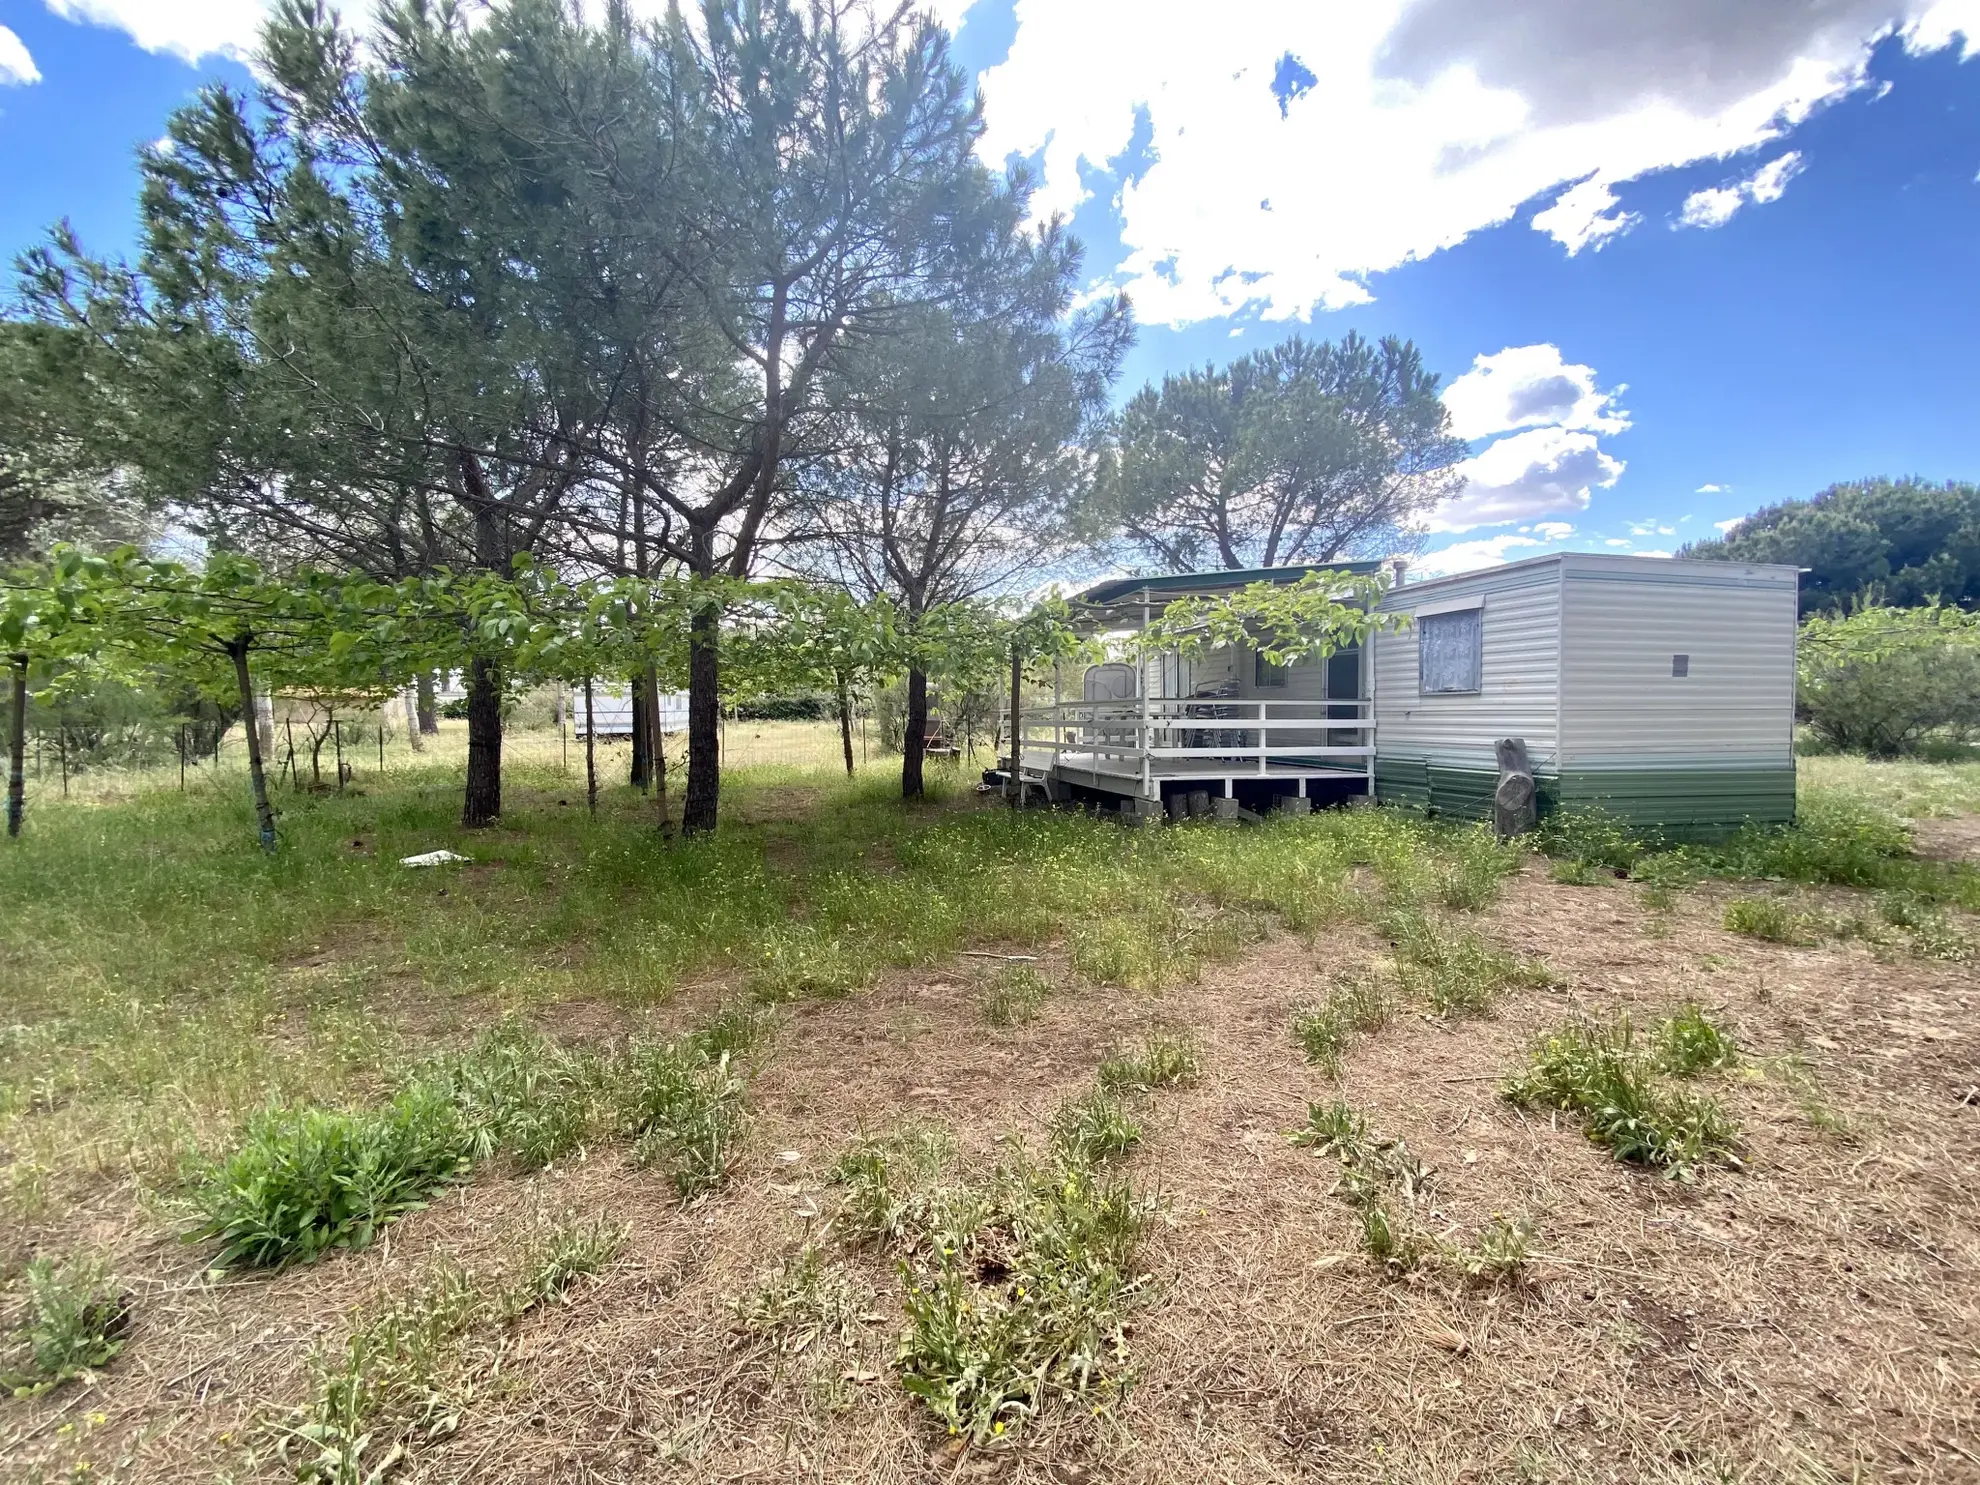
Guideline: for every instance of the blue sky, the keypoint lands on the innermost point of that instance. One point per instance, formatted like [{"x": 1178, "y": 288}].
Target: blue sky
[{"x": 1754, "y": 265}]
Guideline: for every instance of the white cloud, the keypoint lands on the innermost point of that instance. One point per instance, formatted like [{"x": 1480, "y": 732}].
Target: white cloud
[
  {"x": 1585, "y": 215},
  {"x": 1667, "y": 556},
  {"x": 1711, "y": 489},
  {"x": 1728, "y": 527},
  {"x": 1714, "y": 207},
  {"x": 1422, "y": 123},
  {"x": 16, "y": 65},
  {"x": 1537, "y": 472},
  {"x": 1552, "y": 412},
  {"x": 1554, "y": 530},
  {"x": 1651, "y": 528},
  {"x": 1530, "y": 386},
  {"x": 189, "y": 29},
  {"x": 1464, "y": 556}
]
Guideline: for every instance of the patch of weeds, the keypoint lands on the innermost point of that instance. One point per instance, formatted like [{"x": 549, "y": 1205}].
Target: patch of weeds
[
  {"x": 520, "y": 1095},
  {"x": 1356, "y": 1005},
  {"x": 888, "y": 1183},
  {"x": 303, "y": 1181},
  {"x": 1930, "y": 931},
  {"x": 1590, "y": 837},
  {"x": 1029, "y": 1308},
  {"x": 1689, "y": 1042},
  {"x": 1472, "y": 865},
  {"x": 1159, "y": 947},
  {"x": 76, "y": 1316},
  {"x": 802, "y": 1302},
  {"x": 1094, "y": 1128},
  {"x": 1572, "y": 873},
  {"x": 1811, "y": 1099},
  {"x": 1600, "y": 1074},
  {"x": 572, "y": 1251},
  {"x": 384, "y": 1389},
  {"x": 1500, "y": 1253},
  {"x": 1457, "y": 973},
  {"x": 682, "y": 1108},
  {"x": 1380, "y": 1179},
  {"x": 1773, "y": 920},
  {"x": 801, "y": 961},
  {"x": 1165, "y": 1059},
  {"x": 734, "y": 1031},
  {"x": 1667, "y": 871},
  {"x": 1015, "y": 993}
]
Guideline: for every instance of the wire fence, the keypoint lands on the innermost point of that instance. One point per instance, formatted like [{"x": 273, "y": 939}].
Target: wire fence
[{"x": 350, "y": 755}]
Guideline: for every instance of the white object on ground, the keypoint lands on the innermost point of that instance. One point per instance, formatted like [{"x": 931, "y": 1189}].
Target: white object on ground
[{"x": 432, "y": 858}]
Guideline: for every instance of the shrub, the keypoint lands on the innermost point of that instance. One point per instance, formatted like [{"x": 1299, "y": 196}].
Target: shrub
[
  {"x": 303, "y": 1181},
  {"x": 1598, "y": 1073},
  {"x": 1882, "y": 681},
  {"x": 76, "y": 1317}
]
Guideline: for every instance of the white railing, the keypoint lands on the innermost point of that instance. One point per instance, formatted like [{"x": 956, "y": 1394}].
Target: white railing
[{"x": 1206, "y": 736}]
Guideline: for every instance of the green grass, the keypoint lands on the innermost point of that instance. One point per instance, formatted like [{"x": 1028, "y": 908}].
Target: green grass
[
  {"x": 1094, "y": 1128},
  {"x": 176, "y": 980},
  {"x": 1772, "y": 920},
  {"x": 1356, "y": 1005},
  {"x": 1602, "y": 1074},
  {"x": 399, "y": 1377},
  {"x": 1165, "y": 1059},
  {"x": 1015, "y": 993}
]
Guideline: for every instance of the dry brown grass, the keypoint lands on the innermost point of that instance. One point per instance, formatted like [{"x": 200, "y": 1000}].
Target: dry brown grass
[{"x": 1810, "y": 1318}]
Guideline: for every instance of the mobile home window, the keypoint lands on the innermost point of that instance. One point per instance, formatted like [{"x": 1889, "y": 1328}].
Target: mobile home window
[
  {"x": 1450, "y": 652},
  {"x": 1265, "y": 675}
]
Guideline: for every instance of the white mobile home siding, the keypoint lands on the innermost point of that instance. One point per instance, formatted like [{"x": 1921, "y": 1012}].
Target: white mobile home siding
[
  {"x": 1624, "y": 621},
  {"x": 1518, "y": 694}
]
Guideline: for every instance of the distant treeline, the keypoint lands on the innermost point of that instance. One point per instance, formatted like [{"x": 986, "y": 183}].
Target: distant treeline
[{"x": 1901, "y": 543}]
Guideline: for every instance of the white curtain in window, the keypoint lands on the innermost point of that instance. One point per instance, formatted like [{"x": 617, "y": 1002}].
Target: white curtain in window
[{"x": 1448, "y": 651}]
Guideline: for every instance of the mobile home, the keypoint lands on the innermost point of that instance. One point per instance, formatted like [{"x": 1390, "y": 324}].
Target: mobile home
[{"x": 1660, "y": 690}]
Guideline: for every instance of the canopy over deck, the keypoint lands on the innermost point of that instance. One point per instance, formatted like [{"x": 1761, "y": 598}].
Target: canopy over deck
[{"x": 1119, "y": 603}]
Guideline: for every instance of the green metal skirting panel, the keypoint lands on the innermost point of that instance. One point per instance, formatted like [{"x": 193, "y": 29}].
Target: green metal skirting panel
[
  {"x": 1453, "y": 793},
  {"x": 1680, "y": 804}
]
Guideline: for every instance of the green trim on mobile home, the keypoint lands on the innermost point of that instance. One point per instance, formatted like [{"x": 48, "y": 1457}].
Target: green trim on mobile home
[{"x": 1702, "y": 803}]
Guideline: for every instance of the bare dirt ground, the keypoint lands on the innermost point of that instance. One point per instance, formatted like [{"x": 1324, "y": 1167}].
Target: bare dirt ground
[{"x": 1812, "y": 1317}]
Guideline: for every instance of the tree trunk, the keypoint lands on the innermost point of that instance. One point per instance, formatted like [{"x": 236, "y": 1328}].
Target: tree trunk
[
  {"x": 590, "y": 753},
  {"x": 656, "y": 738},
  {"x": 429, "y": 715},
  {"x": 482, "y": 804},
  {"x": 264, "y": 814},
  {"x": 413, "y": 729},
  {"x": 846, "y": 721},
  {"x": 1015, "y": 789},
  {"x": 915, "y": 741},
  {"x": 642, "y": 767},
  {"x": 704, "y": 779},
  {"x": 17, "y": 750}
]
